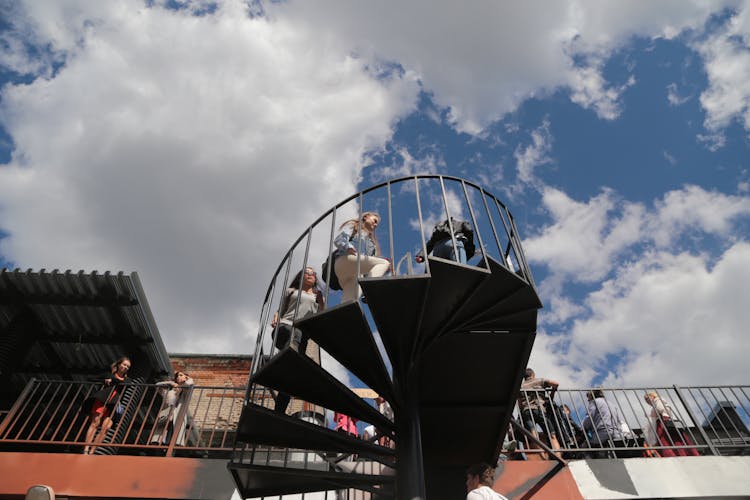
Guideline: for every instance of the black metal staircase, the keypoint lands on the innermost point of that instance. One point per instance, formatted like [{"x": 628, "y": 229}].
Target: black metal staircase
[{"x": 457, "y": 337}]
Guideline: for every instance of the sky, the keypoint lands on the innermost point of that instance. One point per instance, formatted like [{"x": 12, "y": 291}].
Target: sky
[{"x": 193, "y": 141}]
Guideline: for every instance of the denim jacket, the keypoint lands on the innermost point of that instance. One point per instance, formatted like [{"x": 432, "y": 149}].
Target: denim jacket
[{"x": 347, "y": 240}]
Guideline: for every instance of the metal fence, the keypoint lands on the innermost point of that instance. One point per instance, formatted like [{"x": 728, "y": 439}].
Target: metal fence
[
  {"x": 409, "y": 208},
  {"x": 48, "y": 416},
  {"x": 631, "y": 422}
]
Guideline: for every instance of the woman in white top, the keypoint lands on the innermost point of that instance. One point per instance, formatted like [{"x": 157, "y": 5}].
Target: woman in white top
[
  {"x": 303, "y": 298},
  {"x": 479, "y": 478}
]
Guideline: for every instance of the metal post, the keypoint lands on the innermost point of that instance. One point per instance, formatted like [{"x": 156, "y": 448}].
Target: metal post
[
  {"x": 683, "y": 401},
  {"x": 410, "y": 483},
  {"x": 16, "y": 407}
]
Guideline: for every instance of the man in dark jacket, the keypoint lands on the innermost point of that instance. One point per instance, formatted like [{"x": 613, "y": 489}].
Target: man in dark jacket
[{"x": 441, "y": 243}]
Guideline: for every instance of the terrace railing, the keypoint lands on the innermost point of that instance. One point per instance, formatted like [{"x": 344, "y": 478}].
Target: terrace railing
[
  {"x": 48, "y": 417},
  {"x": 707, "y": 421}
]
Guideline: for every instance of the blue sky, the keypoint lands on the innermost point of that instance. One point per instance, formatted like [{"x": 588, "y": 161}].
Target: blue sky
[{"x": 193, "y": 141}]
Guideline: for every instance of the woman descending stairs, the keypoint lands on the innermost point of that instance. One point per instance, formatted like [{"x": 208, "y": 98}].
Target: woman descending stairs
[{"x": 456, "y": 338}]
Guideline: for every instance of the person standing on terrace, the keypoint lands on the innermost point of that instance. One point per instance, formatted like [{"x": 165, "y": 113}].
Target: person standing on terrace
[
  {"x": 532, "y": 403},
  {"x": 358, "y": 235},
  {"x": 103, "y": 403},
  {"x": 174, "y": 397}
]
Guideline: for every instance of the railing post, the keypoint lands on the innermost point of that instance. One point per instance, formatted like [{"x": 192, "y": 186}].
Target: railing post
[
  {"x": 690, "y": 413},
  {"x": 181, "y": 417},
  {"x": 16, "y": 406}
]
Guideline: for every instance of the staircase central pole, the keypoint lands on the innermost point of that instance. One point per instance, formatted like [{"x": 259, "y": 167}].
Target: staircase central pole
[{"x": 410, "y": 484}]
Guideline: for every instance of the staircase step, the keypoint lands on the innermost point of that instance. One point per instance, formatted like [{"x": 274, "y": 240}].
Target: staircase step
[
  {"x": 259, "y": 425},
  {"x": 344, "y": 333},
  {"x": 300, "y": 376},
  {"x": 451, "y": 284},
  {"x": 501, "y": 284},
  {"x": 523, "y": 299},
  {"x": 258, "y": 480},
  {"x": 395, "y": 303},
  {"x": 521, "y": 321}
]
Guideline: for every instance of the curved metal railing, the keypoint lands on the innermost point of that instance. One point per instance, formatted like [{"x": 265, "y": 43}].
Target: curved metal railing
[{"x": 409, "y": 208}]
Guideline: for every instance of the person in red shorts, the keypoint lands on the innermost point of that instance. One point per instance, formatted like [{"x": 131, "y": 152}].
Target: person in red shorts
[{"x": 103, "y": 403}]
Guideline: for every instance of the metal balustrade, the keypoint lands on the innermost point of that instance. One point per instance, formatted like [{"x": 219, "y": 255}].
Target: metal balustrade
[
  {"x": 709, "y": 421},
  {"x": 409, "y": 208},
  {"x": 48, "y": 417}
]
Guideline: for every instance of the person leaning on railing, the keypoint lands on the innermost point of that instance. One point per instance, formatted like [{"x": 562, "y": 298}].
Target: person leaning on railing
[
  {"x": 603, "y": 422},
  {"x": 174, "y": 396},
  {"x": 532, "y": 404},
  {"x": 358, "y": 236},
  {"x": 104, "y": 404}
]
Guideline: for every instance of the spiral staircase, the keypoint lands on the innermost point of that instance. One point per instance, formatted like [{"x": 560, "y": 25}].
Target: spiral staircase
[{"x": 457, "y": 338}]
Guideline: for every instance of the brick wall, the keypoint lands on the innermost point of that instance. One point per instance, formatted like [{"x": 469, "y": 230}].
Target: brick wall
[{"x": 223, "y": 370}]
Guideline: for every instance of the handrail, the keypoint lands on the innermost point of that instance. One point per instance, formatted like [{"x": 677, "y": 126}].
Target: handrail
[
  {"x": 411, "y": 203},
  {"x": 48, "y": 416},
  {"x": 708, "y": 420}
]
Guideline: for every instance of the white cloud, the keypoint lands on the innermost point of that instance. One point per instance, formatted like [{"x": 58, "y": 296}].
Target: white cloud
[
  {"x": 692, "y": 208},
  {"x": 673, "y": 95},
  {"x": 584, "y": 239},
  {"x": 534, "y": 155},
  {"x": 673, "y": 318},
  {"x": 482, "y": 60},
  {"x": 726, "y": 55},
  {"x": 190, "y": 149},
  {"x": 659, "y": 307}
]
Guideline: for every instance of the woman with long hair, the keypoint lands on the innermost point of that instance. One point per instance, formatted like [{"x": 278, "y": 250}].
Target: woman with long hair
[
  {"x": 665, "y": 429},
  {"x": 174, "y": 396},
  {"x": 358, "y": 242},
  {"x": 103, "y": 403},
  {"x": 303, "y": 298}
]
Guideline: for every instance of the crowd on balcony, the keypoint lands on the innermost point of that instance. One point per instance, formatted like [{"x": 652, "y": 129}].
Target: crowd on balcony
[{"x": 602, "y": 431}]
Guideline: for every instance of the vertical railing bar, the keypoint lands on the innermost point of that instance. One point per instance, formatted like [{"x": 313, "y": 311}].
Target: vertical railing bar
[
  {"x": 177, "y": 423},
  {"x": 520, "y": 255},
  {"x": 50, "y": 401},
  {"x": 213, "y": 427},
  {"x": 328, "y": 255},
  {"x": 154, "y": 426},
  {"x": 359, "y": 240},
  {"x": 34, "y": 409},
  {"x": 696, "y": 424},
  {"x": 265, "y": 313},
  {"x": 716, "y": 404},
  {"x": 71, "y": 404},
  {"x": 494, "y": 229},
  {"x": 703, "y": 409},
  {"x": 274, "y": 349},
  {"x": 140, "y": 398},
  {"x": 508, "y": 229},
  {"x": 80, "y": 390},
  {"x": 736, "y": 430},
  {"x": 475, "y": 226},
  {"x": 82, "y": 429},
  {"x": 302, "y": 278},
  {"x": 421, "y": 225},
  {"x": 390, "y": 226},
  {"x": 450, "y": 222}
]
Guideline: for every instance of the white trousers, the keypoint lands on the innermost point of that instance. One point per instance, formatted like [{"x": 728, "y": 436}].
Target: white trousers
[{"x": 346, "y": 270}]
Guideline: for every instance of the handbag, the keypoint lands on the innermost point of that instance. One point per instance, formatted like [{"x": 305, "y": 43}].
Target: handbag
[
  {"x": 333, "y": 282},
  {"x": 163, "y": 415}
]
